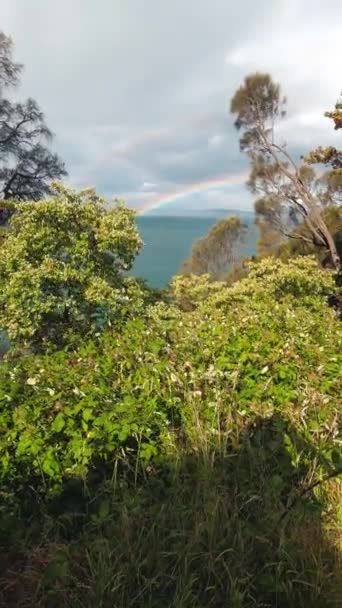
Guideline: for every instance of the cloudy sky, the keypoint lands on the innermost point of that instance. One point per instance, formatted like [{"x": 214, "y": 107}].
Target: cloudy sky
[{"x": 137, "y": 91}]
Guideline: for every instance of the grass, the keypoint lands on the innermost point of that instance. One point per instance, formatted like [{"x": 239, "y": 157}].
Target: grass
[
  {"x": 210, "y": 527},
  {"x": 225, "y": 423}
]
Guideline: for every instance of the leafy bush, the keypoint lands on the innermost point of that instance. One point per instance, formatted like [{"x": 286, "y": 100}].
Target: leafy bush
[
  {"x": 62, "y": 411},
  {"x": 62, "y": 266},
  {"x": 188, "y": 292},
  {"x": 234, "y": 358},
  {"x": 199, "y": 438}
]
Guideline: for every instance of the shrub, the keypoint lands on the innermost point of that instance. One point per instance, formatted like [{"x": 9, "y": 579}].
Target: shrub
[
  {"x": 62, "y": 267},
  {"x": 202, "y": 373},
  {"x": 188, "y": 291},
  {"x": 190, "y": 455}
]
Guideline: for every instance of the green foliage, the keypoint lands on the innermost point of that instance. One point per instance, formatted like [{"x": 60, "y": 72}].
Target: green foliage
[
  {"x": 336, "y": 116},
  {"x": 213, "y": 253},
  {"x": 288, "y": 194},
  {"x": 325, "y": 156},
  {"x": 119, "y": 397},
  {"x": 62, "y": 267},
  {"x": 105, "y": 401},
  {"x": 298, "y": 278},
  {"x": 258, "y": 100},
  {"x": 190, "y": 291},
  {"x": 180, "y": 447},
  {"x": 192, "y": 451},
  {"x": 293, "y": 247},
  {"x": 331, "y": 157}
]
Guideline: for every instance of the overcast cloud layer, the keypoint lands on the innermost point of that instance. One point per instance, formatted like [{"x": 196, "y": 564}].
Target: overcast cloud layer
[{"x": 137, "y": 91}]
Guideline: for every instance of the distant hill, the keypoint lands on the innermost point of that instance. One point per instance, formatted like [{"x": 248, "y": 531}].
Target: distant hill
[
  {"x": 199, "y": 212},
  {"x": 230, "y": 211}
]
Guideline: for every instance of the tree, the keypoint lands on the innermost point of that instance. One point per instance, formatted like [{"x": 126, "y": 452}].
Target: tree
[
  {"x": 336, "y": 115},
  {"x": 278, "y": 224},
  {"x": 213, "y": 253},
  {"x": 275, "y": 225},
  {"x": 330, "y": 157},
  {"x": 9, "y": 70},
  {"x": 289, "y": 248},
  {"x": 26, "y": 164},
  {"x": 62, "y": 266},
  {"x": 289, "y": 189},
  {"x": 270, "y": 237}
]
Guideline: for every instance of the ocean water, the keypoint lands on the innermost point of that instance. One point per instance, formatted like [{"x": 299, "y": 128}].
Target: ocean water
[{"x": 168, "y": 241}]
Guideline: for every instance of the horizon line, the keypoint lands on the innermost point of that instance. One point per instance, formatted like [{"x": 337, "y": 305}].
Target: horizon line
[{"x": 218, "y": 182}]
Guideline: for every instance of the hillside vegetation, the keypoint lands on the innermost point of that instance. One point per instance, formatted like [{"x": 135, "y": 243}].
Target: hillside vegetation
[{"x": 181, "y": 449}]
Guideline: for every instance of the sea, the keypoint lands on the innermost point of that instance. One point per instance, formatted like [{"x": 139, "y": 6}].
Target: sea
[{"x": 168, "y": 241}]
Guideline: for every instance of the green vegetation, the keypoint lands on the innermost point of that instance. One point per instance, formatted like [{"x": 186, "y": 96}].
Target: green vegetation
[
  {"x": 336, "y": 114},
  {"x": 288, "y": 194},
  {"x": 187, "y": 453},
  {"x": 183, "y": 448},
  {"x": 61, "y": 267},
  {"x": 298, "y": 211},
  {"x": 213, "y": 253}
]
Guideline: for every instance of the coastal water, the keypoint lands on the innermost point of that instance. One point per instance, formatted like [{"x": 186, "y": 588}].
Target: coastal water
[{"x": 168, "y": 241}]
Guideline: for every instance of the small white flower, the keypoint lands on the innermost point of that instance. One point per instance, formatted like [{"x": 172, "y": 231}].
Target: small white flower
[
  {"x": 31, "y": 381},
  {"x": 77, "y": 392}
]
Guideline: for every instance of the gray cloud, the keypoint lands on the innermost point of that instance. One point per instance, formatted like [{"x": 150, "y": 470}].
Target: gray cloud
[{"x": 138, "y": 91}]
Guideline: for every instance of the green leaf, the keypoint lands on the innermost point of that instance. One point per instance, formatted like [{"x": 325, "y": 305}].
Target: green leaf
[
  {"x": 104, "y": 509},
  {"x": 336, "y": 457},
  {"x": 58, "y": 423},
  {"x": 87, "y": 414}
]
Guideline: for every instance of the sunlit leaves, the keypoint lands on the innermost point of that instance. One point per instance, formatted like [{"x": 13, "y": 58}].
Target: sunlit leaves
[
  {"x": 62, "y": 264},
  {"x": 203, "y": 365},
  {"x": 213, "y": 253}
]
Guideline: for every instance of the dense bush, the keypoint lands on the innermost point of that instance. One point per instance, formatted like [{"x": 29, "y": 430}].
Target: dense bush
[
  {"x": 193, "y": 450},
  {"x": 62, "y": 267},
  {"x": 239, "y": 355}
]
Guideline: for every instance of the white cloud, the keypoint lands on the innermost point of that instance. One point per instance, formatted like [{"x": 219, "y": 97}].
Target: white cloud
[
  {"x": 216, "y": 140},
  {"x": 148, "y": 185},
  {"x": 302, "y": 48},
  {"x": 307, "y": 130},
  {"x": 129, "y": 105},
  {"x": 300, "y": 45}
]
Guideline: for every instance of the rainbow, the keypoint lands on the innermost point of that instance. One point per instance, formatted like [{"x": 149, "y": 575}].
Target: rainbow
[{"x": 195, "y": 188}]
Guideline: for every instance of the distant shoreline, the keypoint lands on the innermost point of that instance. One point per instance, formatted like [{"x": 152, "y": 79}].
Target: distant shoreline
[
  {"x": 168, "y": 240},
  {"x": 198, "y": 213}
]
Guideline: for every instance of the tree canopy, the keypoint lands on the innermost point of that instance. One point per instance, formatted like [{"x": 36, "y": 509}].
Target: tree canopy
[
  {"x": 62, "y": 266},
  {"x": 26, "y": 164},
  {"x": 289, "y": 193},
  {"x": 9, "y": 70},
  {"x": 213, "y": 253}
]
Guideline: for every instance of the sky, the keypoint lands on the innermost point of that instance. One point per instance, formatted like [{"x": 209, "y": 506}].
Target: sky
[{"x": 137, "y": 92}]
